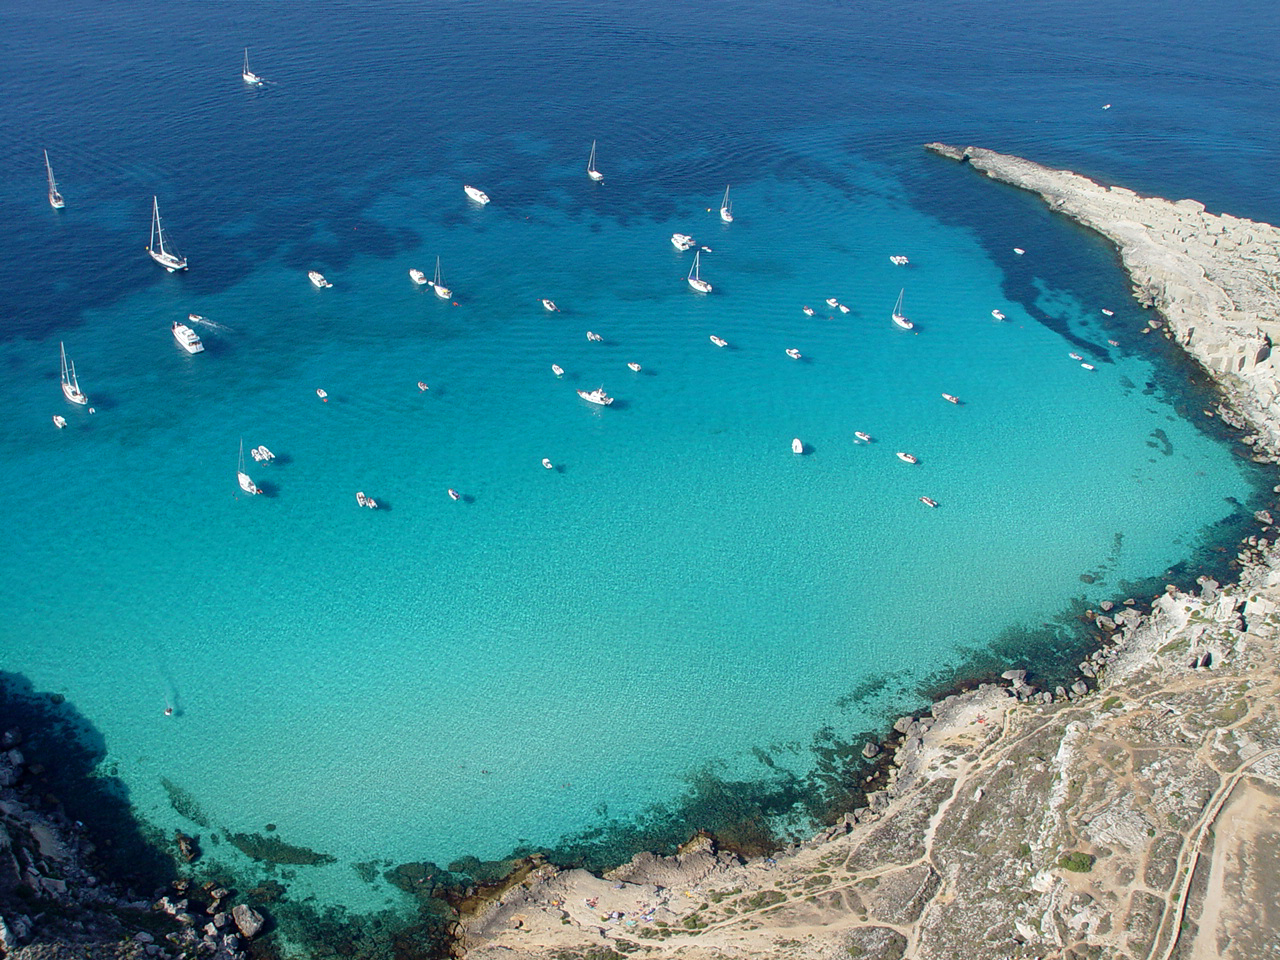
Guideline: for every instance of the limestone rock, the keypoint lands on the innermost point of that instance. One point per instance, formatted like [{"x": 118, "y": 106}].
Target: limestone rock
[{"x": 248, "y": 921}]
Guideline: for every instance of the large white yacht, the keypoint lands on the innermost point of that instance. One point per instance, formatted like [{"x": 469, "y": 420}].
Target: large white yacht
[
  {"x": 476, "y": 194},
  {"x": 317, "y": 280},
  {"x": 596, "y": 396},
  {"x": 187, "y": 338}
]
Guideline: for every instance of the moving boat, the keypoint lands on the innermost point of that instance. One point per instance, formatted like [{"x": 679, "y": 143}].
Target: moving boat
[
  {"x": 322, "y": 395},
  {"x": 70, "y": 386},
  {"x": 808, "y": 311},
  {"x": 55, "y": 198},
  {"x": 247, "y": 485},
  {"x": 248, "y": 75},
  {"x": 59, "y": 421},
  {"x": 317, "y": 279},
  {"x": 793, "y": 353},
  {"x": 596, "y": 396},
  {"x": 187, "y": 338},
  {"x": 719, "y": 342},
  {"x": 443, "y": 292},
  {"x": 550, "y": 305},
  {"x": 797, "y": 446},
  {"x": 476, "y": 194},
  {"x": 950, "y": 399},
  {"x": 682, "y": 241},
  {"x": 929, "y": 501},
  {"x": 997, "y": 314},
  {"x": 864, "y": 437},
  {"x": 898, "y": 317},
  {"x": 557, "y": 370},
  {"x": 695, "y": 280},
  {"x": 635, "y": 367},
  {"x": 592, "y": 172},
  {"x": 454, "y": 494},
  {"x": 548, "y": 464},
  {"x": 907, "y": 457},
  {"x": 418, "y": 277},
  {"x": 594, "y": 337},
  {"x": 726, "y": 207},
  {"x": 169, "y": 259}
]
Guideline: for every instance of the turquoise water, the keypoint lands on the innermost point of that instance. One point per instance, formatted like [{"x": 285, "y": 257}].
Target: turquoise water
[{"x": 563, "y": 647}]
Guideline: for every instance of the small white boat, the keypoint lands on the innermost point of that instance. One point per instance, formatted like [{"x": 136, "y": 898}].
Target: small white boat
[
  {"x": 997, "y": 314},
  {"x": 929, "y": 501},
  {"x": 476, "y": 194},
  {"x": 264, "y": 454},
  {"x": 907, "y": 457},
  {"x": 454, "y": 494},
  {"x": 726, "y": 207},
  {"x": 864, "y": 437},
  {"x": 422, "y": 386},
  {"x": 546, "y": 462},
  {"x": 695, "y": 278},
  {"x": 718, "y": 341},
  {"x": 682, "y": 241},
  {"x": 832, "y": 302},
  {"x": 1075, "y": 356},
  {"x": 950, "y": 399},
  {"x": 557, "y": 370},
  {"x": 322, "y": 395},
  {"x": 1108, "y": 313},
  {"x": 443, "y": 292},
  {"x": 1114, "y": 343},
  {"x": 371, "y": 503},
  {"x": 247, "y": 485},
  {"x": 550, "y": 306},
  {"x": 187, "y": 338},
  {"x": 899, "y": 260},
  {"x": 634, "y": 367},
  {"x": 59, "y": 421},
  {"x": 55, "y": 198},
  {"x": 196, "y": 318},
  {"x": 1019, "y": 251},
  {"x": 808, "y": 311},
  {"x": 256, "y": 454},
  {"x": 360, "y": 498},
  {"x": 793, "y": 353},
  {"x": 167, "y": 258},
  {"x": 592, "y": 172},
  {"x": 594, "y": 337},
  {"x": 248, "y": 75},
  {"x": 597, "y": 396},
  {"x": 843, "y": 308},
  {"x": 1087, "y": 366},
  {"x": 898, "y": 316},
  {"x": 797, "y": 446},
  {"x": 70, "y": 386},
  {"x": 418, "y": 277},
  {"x": 317, "y": 279}
]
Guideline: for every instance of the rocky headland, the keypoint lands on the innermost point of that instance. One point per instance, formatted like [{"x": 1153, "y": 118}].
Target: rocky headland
[{"x": 1132, "y": 814}]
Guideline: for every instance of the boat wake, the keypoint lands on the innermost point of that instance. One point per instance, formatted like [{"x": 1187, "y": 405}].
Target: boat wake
[{"x": 211, "y": 324}]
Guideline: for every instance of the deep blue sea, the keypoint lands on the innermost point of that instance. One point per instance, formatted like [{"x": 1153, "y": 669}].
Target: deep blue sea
[{"x": 561, "y": 653}]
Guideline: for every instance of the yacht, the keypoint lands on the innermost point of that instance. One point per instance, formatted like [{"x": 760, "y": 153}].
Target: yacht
[
  {"x": 55, "y": 198},
  {"x": 594, "y": 337},
  {"x": 907, "y": 457},
  {"x": 317, "y": 279},
  {"x": 592, "y": 172},
  {"x": 682, "y": 241},
  {"x": 596, "y": 396},
  {"x": 187, "y": 338},
  {"x": 443, "y": 292},
  {"x": 557, "y": 370},
  {"x": 546, "y": 462},
  {"x": 634, "y": 367},
  {"x": 476, "y": 194},
  {"x": 70, "y": 386},
  {"x": 248, "y": 75},
  {"x": 898, "y": 317},
  {"x": 864, "y": 437},
  {"x": 808, "y": 311},
  {"x": 929, "y": 501},
  {"x": 550, "y": 305},
  {"x": 418, "y": 277},
  {"x": 793, "y": 353},
  {"x": 726, "y": 207},
  {"x": 719, "y": 342},
  {"x": 695, "y": 278},
  {"x": 797, "y": 446},
  {"x": 950, "y": 399},
  {"x": 59, "y": 421},
  {"x": 169, "y": 259},
  {"x": 997, "y": 314},
  {"x": 247, "y": 485}
]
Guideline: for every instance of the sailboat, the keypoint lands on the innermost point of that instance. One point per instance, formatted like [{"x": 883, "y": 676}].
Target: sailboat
[
  {"x": 443, "y": 292},
  {"x": 249, "y": 76},
  {"x": 70, "y": 386},
  {"x": 898, "y": 316},
  {"x": 726, "y": 207},
  {"x": 695, "y": 280},
  {"x": 592, "y": 172},
  {"x": 55, "y": 198},
  {"x": 247, "y": 485},
  {"x": 168, "y": 259}
]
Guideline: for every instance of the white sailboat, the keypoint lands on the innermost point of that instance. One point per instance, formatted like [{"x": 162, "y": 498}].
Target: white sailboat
[
  {"x": 167, "y": 258},
  {"x": 726, "y": 207},
  {"x": 695, "y": 280},
  {"x": 592, "y": 172},
  {"x": 249, "y": 76},
  {"x": 443, "y": 292},
  {"x": 70, "y": 386},
  {"x": 898, "y": 316},
  {"x": 55, "y": 198},
  {"x": 247, "y": 485}
]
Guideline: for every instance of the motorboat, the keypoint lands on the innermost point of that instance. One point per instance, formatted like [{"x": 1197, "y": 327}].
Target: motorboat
[
  {"x": 695, "y": 277},
  {"x": 682, "y": 241},
  {"x": 1108, "y": 313},
  {"x": 832, "y": 302},
  {"x": 1114, "y": 343},
  {"x": 264, "y": 454},
  {"x": 360, "y": 498},
  {"x": 864, "y": 437},
  {"x": 59, "y": 421},
  {"x": 997, "y": 314},
  {"x": 1019, "y": 251},
  {"x": 950, "y": 399},
  {"x": 557, "y": 370},
  {"x": 256, "y": 454},
  {"x": 898, "y": 316},
  {"x": 726, "y": 207},
  {"x": 843, "y": 308},
  {"x": 422, "y": 387},
  {"x": 808, "y": 311},
  {"x": 634, "y": 367},
  {"x": 546, "y": 462},
  {"x": 187, "y": 338},
  {"x": 167, "y": 257},
  {"x": 317, "y": 279},
  {"x": 476, "y": 194},
  {"x": 196, "y": 318},
  {"x": 55, "y": 198},
  {"x": 592, "y": 172},
  {"x": 718, "y": 341},
  {"x": 797, "y": 446},
  {"x": 597, "y": 396},
  {"x": 929, "y": 501},
  {"x": 550, "y": 306},
  {"x": 1075, "y": 356},
  {"x": 1088, "y": 366},
  {"x": 247, "y": 485},
  {"x": 907, "y": 457},
  {"x": 322, "y": 395},
  {"x": 418, "y": 277},
  {"x": 70, "y": 385},
  {"x": 899, "y": 260},
  {"x": 248, "y": 75},
  {"x": 369, "y": 502},
  {"x": 443, "y": 292},
  {"x": 454, "y": 494},
  {"x": 594, "y": 337},
  {"x": 793, "y": 353}
]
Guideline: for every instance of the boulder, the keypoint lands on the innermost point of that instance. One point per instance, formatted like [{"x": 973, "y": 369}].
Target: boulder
[
  {"x": 247, "y": 920},
  {"x": 1080, "y": 688},
  {"x": 1106, "y": 606},
  {"x": 870, "y": 749},
  {"x": 1014, "y": 675},
  {"x": 903, "y": 724}
]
